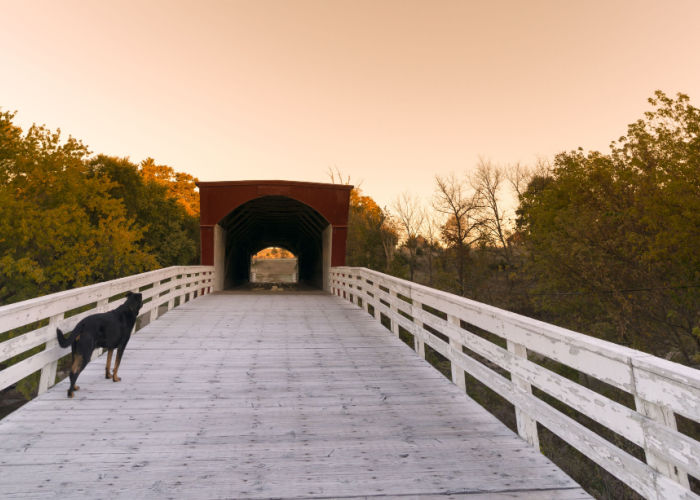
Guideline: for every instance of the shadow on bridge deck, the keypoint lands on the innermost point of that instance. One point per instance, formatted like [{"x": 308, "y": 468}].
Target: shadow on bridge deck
[{"x": 259, "y": 395}]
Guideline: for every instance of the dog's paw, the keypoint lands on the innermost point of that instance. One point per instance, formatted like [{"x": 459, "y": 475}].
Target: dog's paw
[
  {"x": 76, "y": 387},
  {"x": 108, "y": 375},
  {"x": 116, "y": 379},
  {"x": 70, "y": 394}
]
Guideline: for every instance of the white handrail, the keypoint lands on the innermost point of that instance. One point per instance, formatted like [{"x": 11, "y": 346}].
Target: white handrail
[
  {"x": 661, "y": 389},
  {"x": 42, "y": 315}
]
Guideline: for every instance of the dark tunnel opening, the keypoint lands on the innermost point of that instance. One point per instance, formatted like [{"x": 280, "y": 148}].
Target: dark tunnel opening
[{"x": 276, "y": 221}]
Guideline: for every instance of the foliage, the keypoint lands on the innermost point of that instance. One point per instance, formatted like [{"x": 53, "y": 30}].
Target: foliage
[
  {"x": 170, "y": 231},
  {"x": 68, "y": 220},
  {"x": 613, "y": 238},
  {"x": 274, "y": 253},
  {"x": 372, "y": 234},
  {"x": 179, "y": 186},
  {"x": 59, "y": 226}
]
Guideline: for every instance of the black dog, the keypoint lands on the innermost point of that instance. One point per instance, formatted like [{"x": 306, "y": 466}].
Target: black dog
[{"x": 110, "y": 330}]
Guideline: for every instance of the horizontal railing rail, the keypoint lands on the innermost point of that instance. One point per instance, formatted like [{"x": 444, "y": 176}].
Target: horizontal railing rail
[
  {"x": 31, "y": 324},
  {"x": 660, "y": 390}
]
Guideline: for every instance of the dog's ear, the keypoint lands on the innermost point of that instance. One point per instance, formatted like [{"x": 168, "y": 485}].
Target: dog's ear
[{"x": 129, "y": 294}]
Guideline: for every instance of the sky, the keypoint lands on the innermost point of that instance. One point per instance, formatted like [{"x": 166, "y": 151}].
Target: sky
[{"x": 389, "y": 93}]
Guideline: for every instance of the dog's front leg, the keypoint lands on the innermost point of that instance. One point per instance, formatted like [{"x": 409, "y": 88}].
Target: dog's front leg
[
  {"x": 108, "y": 373},
  {"x": 117, "y": 362}
]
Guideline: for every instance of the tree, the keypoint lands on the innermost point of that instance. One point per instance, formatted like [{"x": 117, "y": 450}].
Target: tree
[
  {"x": 461, "y": 207},
  {"x": 614, "y": 237},
  {"x": 170, "y": 231},
  {"x": 59, "y": 226},
  {"x": 372, "y": 236},
  {"x": 180, "y": 186},
  {"x": 487, "y": 182},
  {"x": 409, "y": 217},
  {"x": 431, "y": 231}
]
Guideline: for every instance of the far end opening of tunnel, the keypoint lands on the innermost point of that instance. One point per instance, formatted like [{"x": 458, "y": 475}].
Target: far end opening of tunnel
[
  {"x": 274, "y": 265},
  {"x": 249, "y": 233}
]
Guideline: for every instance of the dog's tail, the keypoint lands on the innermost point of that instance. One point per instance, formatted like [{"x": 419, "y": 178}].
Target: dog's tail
[{"x": 65, "y": 341}]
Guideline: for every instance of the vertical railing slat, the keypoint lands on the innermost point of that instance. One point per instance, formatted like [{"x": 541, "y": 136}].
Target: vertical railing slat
[
  {"x": 48, "y": 372},
  {"x": 527, "y": 425},
  {"x": 664, "y": 416},
  {"x": 458, "y": 376}
]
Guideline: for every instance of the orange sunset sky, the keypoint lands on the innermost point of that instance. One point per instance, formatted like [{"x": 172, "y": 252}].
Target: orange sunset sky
[{"x": 389, "y": 92}]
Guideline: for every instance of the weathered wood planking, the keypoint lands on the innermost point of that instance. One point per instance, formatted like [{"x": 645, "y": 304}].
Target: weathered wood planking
[
  {"x": 265, "y": 395},
  {"x": 660, "y": 388}
]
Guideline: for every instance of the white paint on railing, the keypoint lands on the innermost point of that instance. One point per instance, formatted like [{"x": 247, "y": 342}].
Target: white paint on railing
[
  {"x": 661, "y": 389},
  {"x": 164, "y": 286}
]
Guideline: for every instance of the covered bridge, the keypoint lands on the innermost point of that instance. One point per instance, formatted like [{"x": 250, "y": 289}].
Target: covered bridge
[{"x": 240, "y": 218}]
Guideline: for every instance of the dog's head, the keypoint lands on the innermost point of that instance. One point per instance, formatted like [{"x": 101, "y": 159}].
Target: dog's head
[{"x": 134, "y": 301}]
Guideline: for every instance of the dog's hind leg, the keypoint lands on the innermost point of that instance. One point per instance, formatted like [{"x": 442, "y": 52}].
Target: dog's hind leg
[
  {"x": 76, "y": 367},
  {"x": 108, "y": 373}
]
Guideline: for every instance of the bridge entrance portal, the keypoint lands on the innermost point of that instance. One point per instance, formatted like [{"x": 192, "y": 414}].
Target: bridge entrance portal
[{"x": 240, "y": 218}]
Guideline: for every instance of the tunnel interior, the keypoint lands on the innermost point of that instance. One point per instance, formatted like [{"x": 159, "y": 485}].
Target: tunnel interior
[{"x": 277, "y": 221}]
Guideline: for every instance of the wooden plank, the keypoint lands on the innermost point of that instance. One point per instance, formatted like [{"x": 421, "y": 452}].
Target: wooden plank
[{"x": 268, "y": 396}]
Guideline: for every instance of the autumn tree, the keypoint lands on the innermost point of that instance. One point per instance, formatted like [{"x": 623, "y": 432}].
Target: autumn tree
[
  {"x": 59, "y": 226},
  {"x": 372, "y": 234},
  {"x": 179, "y": 186},
  {"x": 170, "y": 230}
]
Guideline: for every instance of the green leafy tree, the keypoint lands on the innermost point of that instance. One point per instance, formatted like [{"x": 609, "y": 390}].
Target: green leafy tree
[
  {"x": 59, "y": 226},
  {"x": 170, "y": 232},
  {"x": 614, "y": 237}
]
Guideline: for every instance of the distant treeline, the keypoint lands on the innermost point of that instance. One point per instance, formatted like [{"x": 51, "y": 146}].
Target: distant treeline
[
  {"x": 607, "y": 244},
  {"x": 69, "y": 218}
]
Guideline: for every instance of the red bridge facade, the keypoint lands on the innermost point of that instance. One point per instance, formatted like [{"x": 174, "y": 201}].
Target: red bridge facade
[{"x": 239, "y": 218}]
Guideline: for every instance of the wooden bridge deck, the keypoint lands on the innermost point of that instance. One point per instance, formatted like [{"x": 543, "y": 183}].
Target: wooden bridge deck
[{"x": 268, "y": 396}]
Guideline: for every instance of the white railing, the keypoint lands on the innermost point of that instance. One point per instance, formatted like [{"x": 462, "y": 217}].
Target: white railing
[
  {"x": 42, "y": 315},
  {"x": 661, "y": 389}
]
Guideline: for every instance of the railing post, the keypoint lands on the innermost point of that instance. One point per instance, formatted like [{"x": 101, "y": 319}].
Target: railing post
[
  {"x": 664, "y": 416},
  {"x": 153, "y": 313},
  {"x": 527, "y": 426},
  {"x": 179, "y": 278},
  {"x": 366, "y": 298},
  {"x": 48, "y": 372},
  {"x": 101, "y": 306},
  {"x": 395, "y": 308},
  {"x": 418, "y": 342},
  {"x": 458, "y": 377}
]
